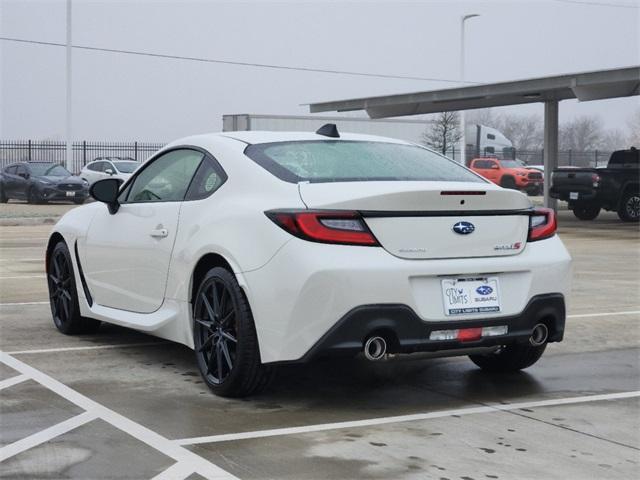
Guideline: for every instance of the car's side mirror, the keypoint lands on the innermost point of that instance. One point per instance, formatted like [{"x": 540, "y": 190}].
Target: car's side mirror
[
  {"x": 494, "y": 166},
  {"x": 106, "y": 191},
  {"x": 24, "y": 175},
  {"x": 108, "y": 171}
]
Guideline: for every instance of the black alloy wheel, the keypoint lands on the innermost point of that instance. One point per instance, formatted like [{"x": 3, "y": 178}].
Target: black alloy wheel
[
  {"x": 629, "y": 210},
  {"x": 63, "y": 296},
  {"x": 225, "y": 341},
  {"x": 216, "y": 330}
]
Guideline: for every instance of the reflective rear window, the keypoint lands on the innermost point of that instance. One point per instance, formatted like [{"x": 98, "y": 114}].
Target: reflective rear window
[{"x": 355, "y": 161}]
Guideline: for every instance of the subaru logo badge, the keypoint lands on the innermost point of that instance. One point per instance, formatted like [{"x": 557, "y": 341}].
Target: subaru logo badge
[
  {"x": 484, "y": 290},
  {"x": 464, "y": 228}
]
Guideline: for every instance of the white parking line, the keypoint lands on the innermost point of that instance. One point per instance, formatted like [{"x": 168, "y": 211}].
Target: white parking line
[
  {"x": 404, "y": 418},
  {"x": 17, "y": 277},
  {"x": 91, "y": 347},
  {"x": 605, "y": 314},
  {"x": 38, "y": 259},
  {"x": 45, "y": 435},
  {"x": 9, "y": 382},
  {"x": 18, "y": 304},
  {"x": 170, "y": 448}
]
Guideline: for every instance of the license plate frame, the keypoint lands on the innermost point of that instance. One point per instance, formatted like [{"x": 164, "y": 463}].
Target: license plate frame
[{"x": 471, "y": 295}]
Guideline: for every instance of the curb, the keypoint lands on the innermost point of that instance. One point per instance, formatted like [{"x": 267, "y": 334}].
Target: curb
[{"x": 27, "y": 221}]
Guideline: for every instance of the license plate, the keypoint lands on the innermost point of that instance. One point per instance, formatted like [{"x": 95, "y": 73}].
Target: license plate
[
  {"x": 470, "y": 295},
  {"x": 71, "y": 194},
  {"x": 573, "y": 195}
]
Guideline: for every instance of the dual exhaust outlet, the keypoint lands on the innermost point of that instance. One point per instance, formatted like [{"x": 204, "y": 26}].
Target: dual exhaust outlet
[{"x": 375, "y": 347}]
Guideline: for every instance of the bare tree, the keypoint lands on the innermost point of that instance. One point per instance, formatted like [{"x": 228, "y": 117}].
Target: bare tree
[
  {"x": 613, "y": 140},
  {"x": 444, "y": 132},
  {"x": 524, "y": 131},
  {"x": 581, "y": 134}
]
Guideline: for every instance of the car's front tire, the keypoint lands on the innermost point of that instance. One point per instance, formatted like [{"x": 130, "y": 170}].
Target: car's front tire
[
  {"x": 63, "y": 296},
  {"x": 510, "y": 358},
  {"x": 225, "y": 340}
]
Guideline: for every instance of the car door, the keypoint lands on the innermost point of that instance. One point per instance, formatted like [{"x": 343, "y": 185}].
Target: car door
[
  {"x": 21, "y": 182},
  {"x": 492, "y": 171},
  {"x": 89, "y": 172},
  {"x": 9, "y": 180},
  {"x": 127, "y": 254}
]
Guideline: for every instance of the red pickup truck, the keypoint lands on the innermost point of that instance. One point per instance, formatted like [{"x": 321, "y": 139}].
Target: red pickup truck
[{"x": 509, "y": 174}]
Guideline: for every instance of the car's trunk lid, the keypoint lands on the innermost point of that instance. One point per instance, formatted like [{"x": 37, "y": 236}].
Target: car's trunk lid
[{"x": 427, "y": 220}]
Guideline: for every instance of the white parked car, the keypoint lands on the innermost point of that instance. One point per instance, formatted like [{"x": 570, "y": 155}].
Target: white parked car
[
  {"x": 258, "y": 248},
  {"x": 108, "y": 167}
]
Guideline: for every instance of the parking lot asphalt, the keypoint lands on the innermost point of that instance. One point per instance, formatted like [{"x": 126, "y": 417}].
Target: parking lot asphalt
[{"x": 120, "y": 404}]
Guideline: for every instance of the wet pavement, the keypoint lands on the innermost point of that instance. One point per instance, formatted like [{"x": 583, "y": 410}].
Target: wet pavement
[{"x": 119, "y": 404}]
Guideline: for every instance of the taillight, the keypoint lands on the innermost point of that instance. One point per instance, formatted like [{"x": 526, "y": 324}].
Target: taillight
[
  {"x": 324, "y": 226},
  {"x": 542, "y": 224},
  {"x": 595, "y": 179}
]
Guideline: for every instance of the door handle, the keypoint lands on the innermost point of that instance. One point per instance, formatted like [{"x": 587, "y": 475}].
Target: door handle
[{"x": 159, "y": 233}]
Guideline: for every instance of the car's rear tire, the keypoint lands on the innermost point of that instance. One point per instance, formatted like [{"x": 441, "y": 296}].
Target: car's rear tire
[
  {"x": 629, "y": 209},
  {"x": 79, "y": 201},
  {"x": 508, "y": 182},
  {"x": 63, "y": 295},
  {"x": 3, "y": 196},
  {"x": 225, "y": 339},
  {"x": 510, "y": 358},
  {"x": 586, "y": 211}
]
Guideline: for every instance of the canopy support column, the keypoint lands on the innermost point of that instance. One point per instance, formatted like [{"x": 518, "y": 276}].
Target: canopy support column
[{"x": 550, "y": 149}]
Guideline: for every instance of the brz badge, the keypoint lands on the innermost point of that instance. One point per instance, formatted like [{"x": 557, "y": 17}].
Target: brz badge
[{"x": 464, "y": 228}]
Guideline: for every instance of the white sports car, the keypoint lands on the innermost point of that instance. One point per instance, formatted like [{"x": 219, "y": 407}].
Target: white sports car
[{"x": 258, "y": 248}]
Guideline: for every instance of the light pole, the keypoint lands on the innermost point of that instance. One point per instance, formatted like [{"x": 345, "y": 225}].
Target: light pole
[
  {"x": 69, "y": 145},
  {"x": 463, "y": 143}
]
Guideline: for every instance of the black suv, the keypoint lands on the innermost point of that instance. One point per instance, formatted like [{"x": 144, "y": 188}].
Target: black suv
[{"x": 39, "y": 182}]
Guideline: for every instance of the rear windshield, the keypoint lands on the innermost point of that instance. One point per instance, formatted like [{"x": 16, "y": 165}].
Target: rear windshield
[{"x": 355, "y": 161}]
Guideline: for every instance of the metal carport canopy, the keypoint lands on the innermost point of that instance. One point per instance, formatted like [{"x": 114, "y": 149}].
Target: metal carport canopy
[{"x": 585, "y": 86}]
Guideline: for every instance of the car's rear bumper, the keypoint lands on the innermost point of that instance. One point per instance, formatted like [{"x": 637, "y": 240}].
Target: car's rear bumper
[
  {"x": 405, "y": 332},
  {"x": 307, "y": 288}
]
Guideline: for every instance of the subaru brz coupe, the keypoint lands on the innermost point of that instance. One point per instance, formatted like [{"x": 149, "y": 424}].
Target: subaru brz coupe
[{"x": 262, "y": 248}]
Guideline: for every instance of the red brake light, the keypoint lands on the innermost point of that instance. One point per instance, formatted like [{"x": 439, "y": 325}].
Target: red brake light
[
  {"x": 324, "y": 226},
  {"x": 542, "y": 224}
]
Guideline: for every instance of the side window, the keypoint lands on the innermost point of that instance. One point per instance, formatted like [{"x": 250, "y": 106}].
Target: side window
[
  {"x": 491, "y": 136},
  {"x": 11, "y": 170},
  {"x": 108, "y": 166},
  {"x": 93, "y": 166},
  {"x": 491, "y": 164},
  {"x": 207, "y": 180},
  {"x": 21, "y": 171},
  {"x": 166, "y": 179}
]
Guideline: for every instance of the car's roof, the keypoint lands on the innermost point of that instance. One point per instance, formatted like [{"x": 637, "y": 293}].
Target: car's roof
[{"x": 258, "y": 136}]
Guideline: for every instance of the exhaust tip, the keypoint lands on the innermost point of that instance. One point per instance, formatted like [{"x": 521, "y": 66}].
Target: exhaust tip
[
  {"x": 375, "y": 348},
  {"x": 539, "y": 335}
]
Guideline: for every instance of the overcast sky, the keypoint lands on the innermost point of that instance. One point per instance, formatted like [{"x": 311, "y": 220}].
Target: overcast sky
[{"x": 119, "y": 96}]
